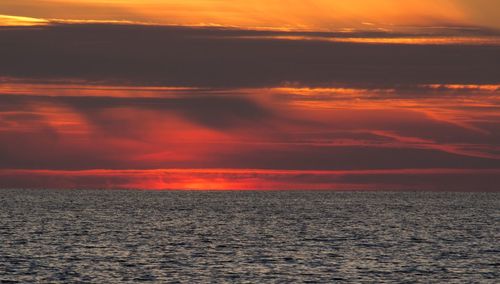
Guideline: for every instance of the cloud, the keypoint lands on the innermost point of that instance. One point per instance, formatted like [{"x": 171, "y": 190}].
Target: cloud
[
  {"x": 7, "y": 20},
  {"x": 370, "y": 107},
  {"x": 311, "y": 14},
  {"x": 203, "y": 57},
  {"x": 246, "y": 128},
  {"x": 218, "y": 112}
]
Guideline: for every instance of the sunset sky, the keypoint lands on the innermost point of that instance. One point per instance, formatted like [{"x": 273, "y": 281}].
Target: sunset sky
[{"x": 219, "y": 94}]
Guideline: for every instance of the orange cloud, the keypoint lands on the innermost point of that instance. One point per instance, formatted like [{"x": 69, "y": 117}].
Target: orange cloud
[
  {"x": 275, "y": 14},
  {"x": 6, "y": 20}
]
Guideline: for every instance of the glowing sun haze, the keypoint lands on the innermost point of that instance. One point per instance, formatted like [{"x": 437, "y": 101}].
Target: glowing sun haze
[{"x": 291, "y": 14}]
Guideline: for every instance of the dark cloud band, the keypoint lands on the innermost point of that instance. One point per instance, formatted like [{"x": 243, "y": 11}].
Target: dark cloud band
[{"x": 202, "y": 57}]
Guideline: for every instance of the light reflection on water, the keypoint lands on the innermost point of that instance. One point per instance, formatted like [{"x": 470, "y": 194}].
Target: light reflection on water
[{"x": 132, "y": 236}]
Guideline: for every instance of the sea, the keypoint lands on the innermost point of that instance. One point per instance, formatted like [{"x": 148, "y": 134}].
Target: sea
[{"x": 109, "y": 236}]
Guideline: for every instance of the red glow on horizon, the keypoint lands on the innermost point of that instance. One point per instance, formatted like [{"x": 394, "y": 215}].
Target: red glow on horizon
[
  {"x": 296, "y": 137},
  {"x": 231, "y": 179}
]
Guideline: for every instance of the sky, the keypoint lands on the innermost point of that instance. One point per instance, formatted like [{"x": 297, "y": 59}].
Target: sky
[
  {"x": 250, "y": 95},
  {"x": 290, "y": 14}
]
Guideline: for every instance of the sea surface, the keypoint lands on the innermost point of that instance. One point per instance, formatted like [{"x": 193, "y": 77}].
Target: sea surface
[{"x": 83, "y": 236}]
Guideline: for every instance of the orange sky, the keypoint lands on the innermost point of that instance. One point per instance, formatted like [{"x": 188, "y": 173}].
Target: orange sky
[
  {"x": 395, "y": 95},
  {"x": 291, "y": 14}
]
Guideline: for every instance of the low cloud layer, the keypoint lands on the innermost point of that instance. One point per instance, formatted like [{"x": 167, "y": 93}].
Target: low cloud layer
[{"x": 203, "y": 57}]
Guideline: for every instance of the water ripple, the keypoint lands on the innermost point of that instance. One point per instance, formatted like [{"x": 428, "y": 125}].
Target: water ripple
[{"x": 247, "y": 237}]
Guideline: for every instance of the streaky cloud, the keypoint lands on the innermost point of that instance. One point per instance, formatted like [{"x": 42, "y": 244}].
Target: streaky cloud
[{"x": 221, "y": 58}]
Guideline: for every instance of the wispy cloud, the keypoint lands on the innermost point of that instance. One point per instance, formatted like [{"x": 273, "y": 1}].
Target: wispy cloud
[
  {"x": 282, "y": 128},
  {"x": 270, "y": 14},
  {"x": 9, "y": 20}
]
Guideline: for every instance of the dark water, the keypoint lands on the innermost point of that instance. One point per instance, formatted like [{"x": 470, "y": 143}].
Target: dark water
[{"x": 258, "y": 237}]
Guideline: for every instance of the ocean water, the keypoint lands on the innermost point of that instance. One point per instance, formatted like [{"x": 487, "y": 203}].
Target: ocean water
[{"x": 49, "y": 236}]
